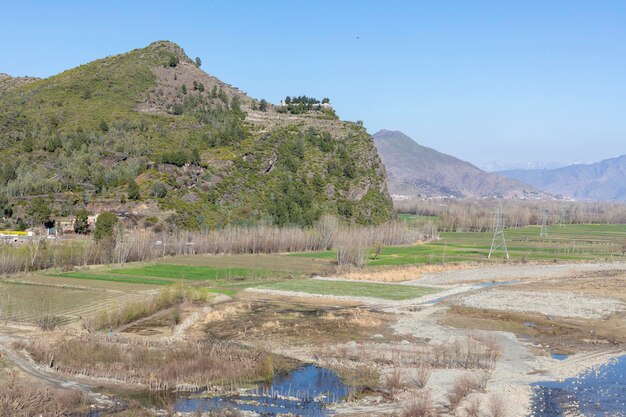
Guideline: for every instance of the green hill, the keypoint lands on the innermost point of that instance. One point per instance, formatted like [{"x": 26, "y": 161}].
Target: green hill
[{"x": 202, "y": 152}]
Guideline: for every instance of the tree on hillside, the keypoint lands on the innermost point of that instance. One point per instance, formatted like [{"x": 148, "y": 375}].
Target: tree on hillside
[
  {"x": 133, "y": 190},
  {"x": 39, "y": 211},
  {"x": 173, "y": 61},
  {"x": 198, "y": 62},
  {"x": 263, "y": 105},
  {"x": 105, "y": 226},
  {"x": 325, "y": 100},
  {"x": 81, "y": 224}
]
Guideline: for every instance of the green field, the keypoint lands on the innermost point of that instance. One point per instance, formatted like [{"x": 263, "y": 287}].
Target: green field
[
  {"x": 189, "y": 272},
  {"x": 225, "y": 280},
  {"x": 352, "y": 289},
  {"x": 573, "y": 242},
  {"x": 104, "y": 276},
  {"x": 417, "y": 221}
]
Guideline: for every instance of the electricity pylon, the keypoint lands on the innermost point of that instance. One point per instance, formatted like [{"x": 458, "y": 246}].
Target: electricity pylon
[
  {"x": 544, "y": 224},
  {"x": 498, "y": 234}
]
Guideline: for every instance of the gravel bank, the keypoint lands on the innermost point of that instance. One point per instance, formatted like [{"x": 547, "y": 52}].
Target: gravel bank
[
  {"x": 553, "y": 303},
  {"x": 513, "y": 272}
]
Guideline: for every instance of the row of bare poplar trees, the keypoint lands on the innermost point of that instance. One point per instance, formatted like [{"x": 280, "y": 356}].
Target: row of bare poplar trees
[
  {"x": 147, "y": 245},
  {"x": 478, "y": 215}
]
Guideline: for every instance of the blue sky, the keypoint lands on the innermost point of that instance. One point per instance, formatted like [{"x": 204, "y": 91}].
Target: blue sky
[{"x": 482, "y": 80}]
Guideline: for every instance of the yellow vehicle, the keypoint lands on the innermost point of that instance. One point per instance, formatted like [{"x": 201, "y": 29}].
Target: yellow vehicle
[{"x": 13, "y": 233}]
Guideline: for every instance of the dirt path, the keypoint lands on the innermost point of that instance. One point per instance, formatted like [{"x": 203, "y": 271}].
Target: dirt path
[{"x": 53, "y": 380}]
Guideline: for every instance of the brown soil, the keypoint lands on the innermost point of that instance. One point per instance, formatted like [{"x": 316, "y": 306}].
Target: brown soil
[
  {"x": 559, "y": 335},
  {"x": 294, "y": 322},
  {"x": 610, "y": 283}
]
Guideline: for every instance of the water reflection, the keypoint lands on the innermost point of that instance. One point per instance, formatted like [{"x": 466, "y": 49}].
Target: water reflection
[
  {"x": 304, "y": 392},
  {"x": 597, "y": 393}
]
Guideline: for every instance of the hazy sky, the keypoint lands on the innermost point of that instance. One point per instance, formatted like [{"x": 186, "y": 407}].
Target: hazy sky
[{"x": 482, "y": 80}]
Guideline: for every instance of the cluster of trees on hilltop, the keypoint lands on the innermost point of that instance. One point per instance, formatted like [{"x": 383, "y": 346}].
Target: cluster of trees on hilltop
[{"x": 302, "y": 104}]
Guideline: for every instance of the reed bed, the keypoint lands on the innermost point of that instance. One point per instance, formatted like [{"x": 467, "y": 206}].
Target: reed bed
[
  {"x": 21, "y": 398},
  {"x": 155, "y": 364}
]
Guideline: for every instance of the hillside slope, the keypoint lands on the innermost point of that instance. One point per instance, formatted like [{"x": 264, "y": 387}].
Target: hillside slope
[
  {"x": 202, "y": 153},
  {"x": 604, "y": 180},
  {"x": 417, "y": 171}
]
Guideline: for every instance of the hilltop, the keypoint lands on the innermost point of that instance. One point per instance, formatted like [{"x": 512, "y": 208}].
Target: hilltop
[
  {"x": 8, "y": 83},
  {"x": 604, "y": 180},
  {"x": 150, "y": 133},
  {"x": 417, "y": 171}
]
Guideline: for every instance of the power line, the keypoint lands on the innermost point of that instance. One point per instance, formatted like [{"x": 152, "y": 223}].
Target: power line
[
  {"x": 498, "y": 234},
  {"x": 544, "y": 223}
]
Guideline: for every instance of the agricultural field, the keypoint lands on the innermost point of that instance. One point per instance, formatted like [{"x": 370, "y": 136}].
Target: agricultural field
[
  {"x": 29, "y": 303},
  {"x": 68, "y": 294},
  {"x": 573, "y": 242}
]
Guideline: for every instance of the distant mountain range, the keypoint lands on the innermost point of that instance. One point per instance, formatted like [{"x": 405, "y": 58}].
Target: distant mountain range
[
  {"x": 604, "y": 180},
  {"x": 414, "y": 170},
  {"x": 496, "y": 166}
]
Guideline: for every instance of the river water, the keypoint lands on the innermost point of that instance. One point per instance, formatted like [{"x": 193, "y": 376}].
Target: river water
[
  {"x": 600, "y": 392},
  {"x": 305, "y": 392}
]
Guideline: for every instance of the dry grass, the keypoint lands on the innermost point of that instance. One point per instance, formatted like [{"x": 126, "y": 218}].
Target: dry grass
[
  {"x": 225, "y": 312},
  {"x": 394, "y": 382},
  {"x": 472, "y": 407},
  {"x": 357, "y": 317},
  {"x": 158, "y": 365},
  {"x": 359, "y": 378},
  {"x": 19, "y": 398},
  {"x": 421, "y": 406},
  {"x": 401, "y": 273},
  {"x": 422, "y": 375},
  {"x": 135, "y": 310},
  {"x": 497, "y": 406},
  {"x": 463, "y": 386},
  {"x": 468, "y": 354}
]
